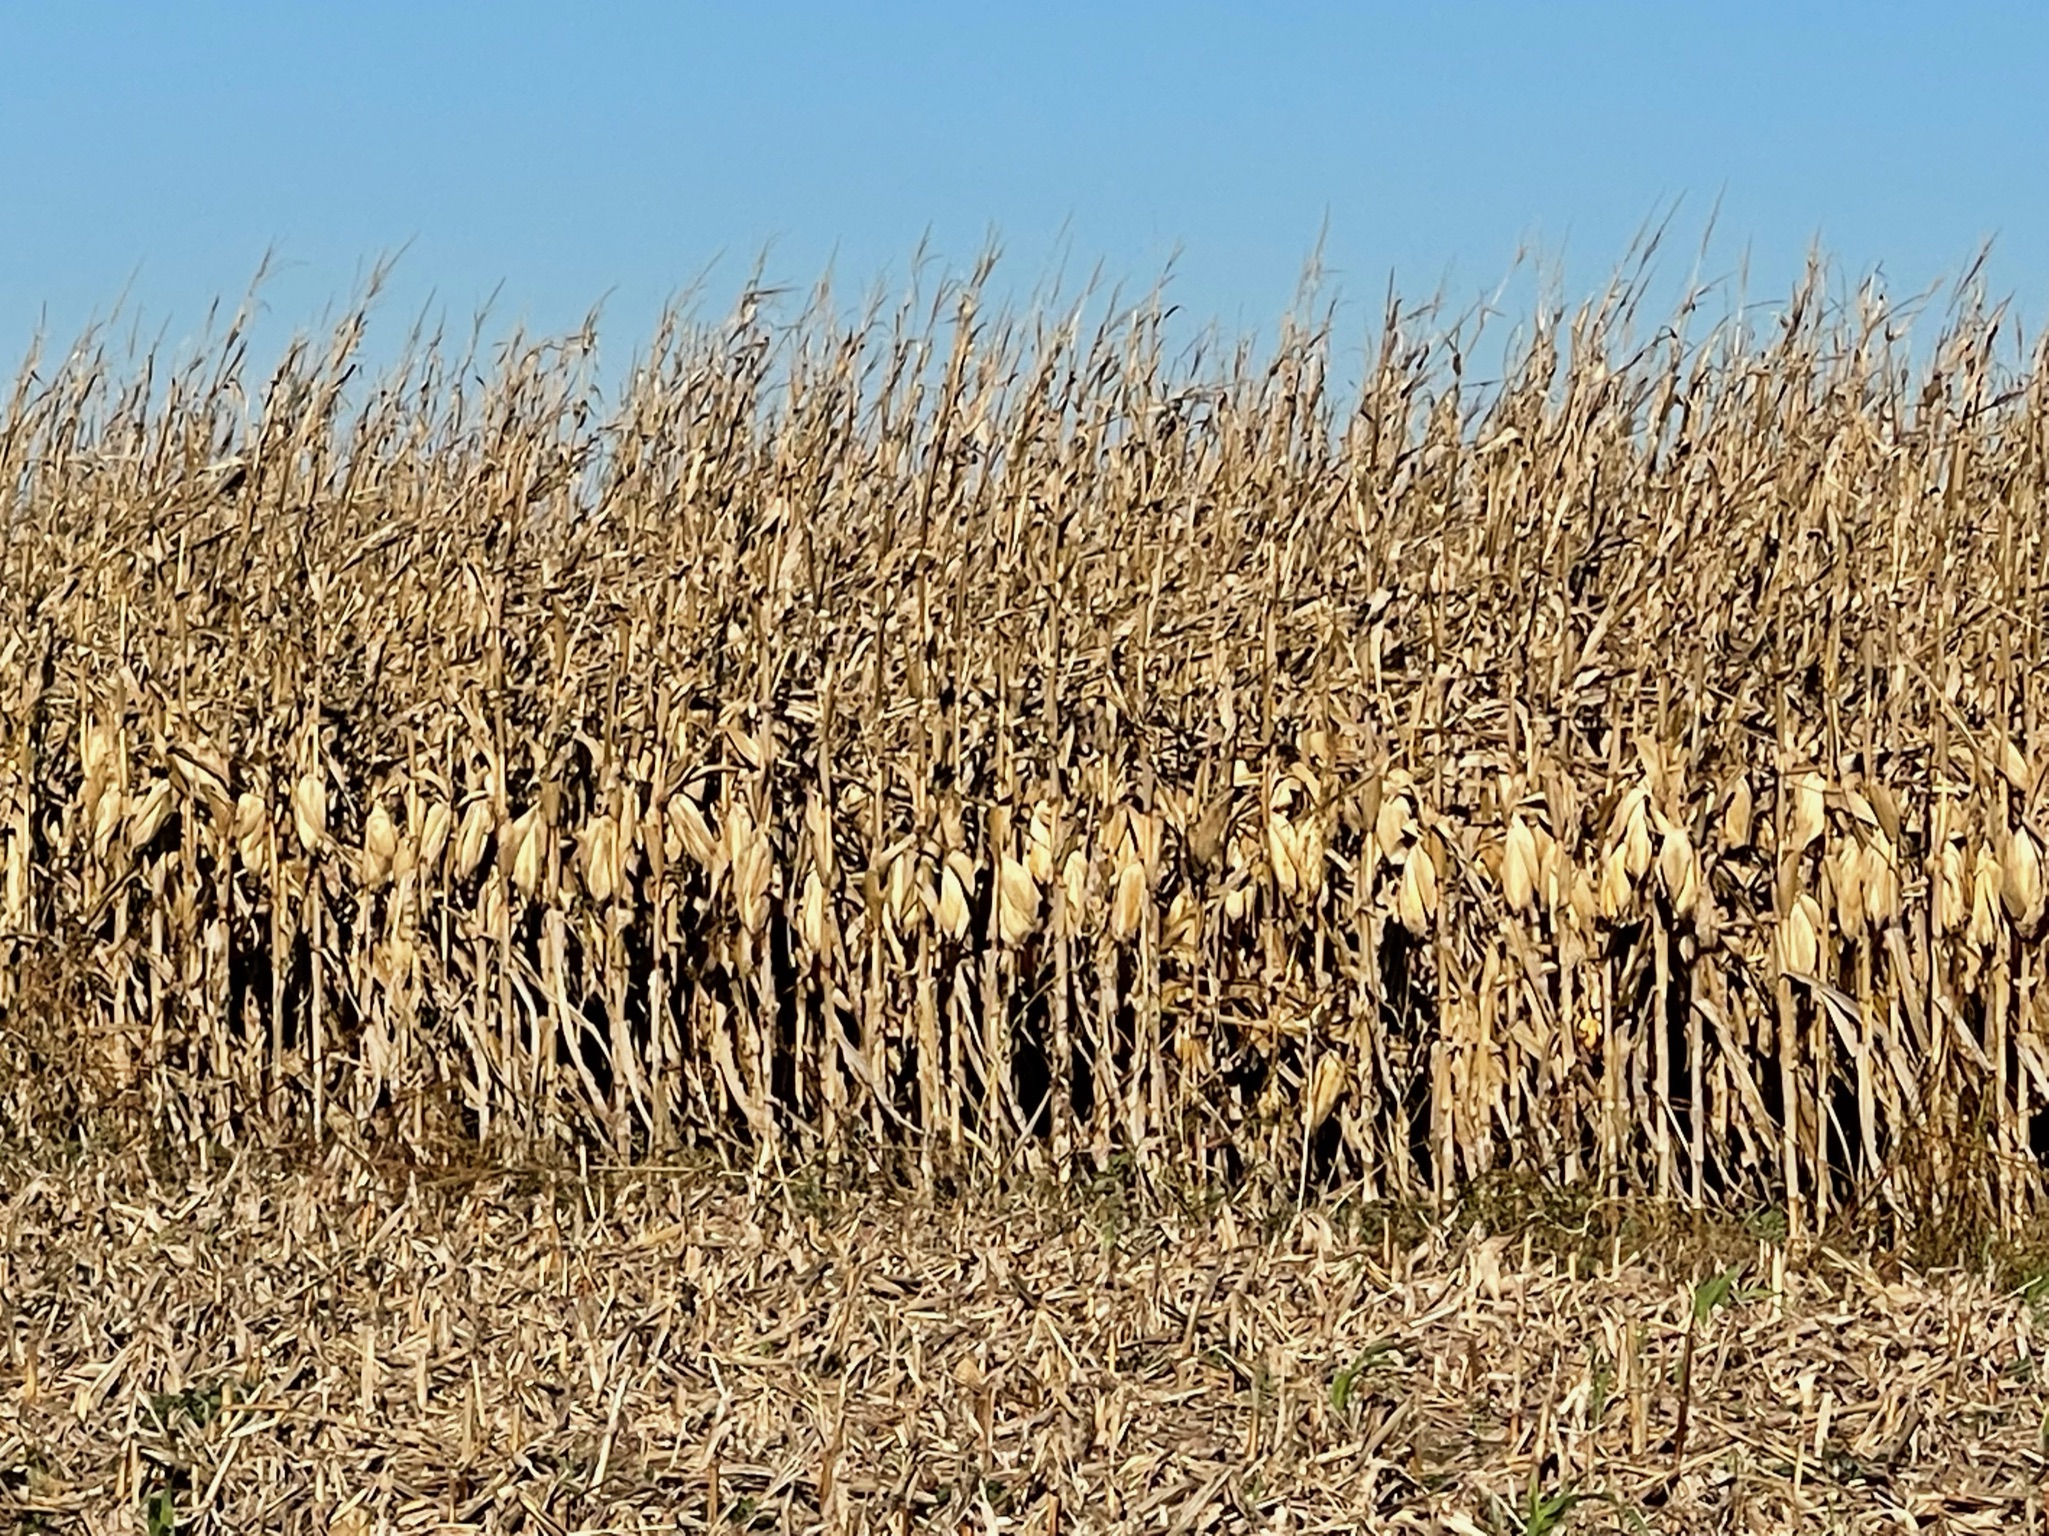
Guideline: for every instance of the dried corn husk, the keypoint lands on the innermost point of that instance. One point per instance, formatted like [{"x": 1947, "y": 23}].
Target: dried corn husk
[
  {"x": 1206, "y": 836},
  {"x": 1365, "y": 807},
  {"x": 525, "y": 844},
  {"x": 1283, "y": 855},
  {"x": 1809, "y": 818},
  {"x": 1846, "y": 878},
  {"x": 693, "y": 834},
  {"x": 201, "y": 772},
  {"x": 1799, "y": 937},
  {"x": 811, "y": 914},
  {"x": 2020, "y": 869},
  {"x": 435, "y": 823},
  {"x": 1554, "y": 876},
  {"x": 1326, "y": 1086},
  {"x": 1616, "y": 893},
  {"x": 1017, "y": 903},
  {"x": 109, "y": 814},
  {"x": 1679, "y": 871},
  {"x": 1881, "y": 882},
  {"x": 473, "y": 838},
  {"x": 252, "y": 831},
  {"x": 600, "y": 859},
  {"x": 1860, "y": 807},
  {"x": 14, "y": 895},
  {"x": 1238, "y": 903},
  {"x": 818, "y": 825},
  {"x": 1519, "y": 867},
  {"x": 1418, "y": 897},
  {"x": 1310, "y": 852},
  {"x": 1039, "y": 850},
  {"x": 380, "y": 847},
  {"x": 1636, "y": 835},
  {"x": 901, "y": 894},
  {"x": 1736, "y": 816},
  {"x": 1127, "y": 904},
  {"x": 309, "y": 810},
  {"x": 956, "y": 879},
  {"x": 1181, "y": 935},
  {"x": 1393, "y": 824},
  {"x": 1986, "y": 879},
  {"x": 1583, "y": 900},
  {"x": 1145, "y": 832},
  {"x": 750, "y": 854},
  {"x": 1074, "y": 891},
  {"x": 97, "y": 752},
  {"x": 148, "y": 812},
  {"x": 1952, "y": 890},
  {"x": 2011, "y": 763}
]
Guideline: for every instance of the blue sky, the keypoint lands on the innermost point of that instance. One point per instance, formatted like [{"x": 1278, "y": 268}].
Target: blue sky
[{"x": 563, "y": 153}]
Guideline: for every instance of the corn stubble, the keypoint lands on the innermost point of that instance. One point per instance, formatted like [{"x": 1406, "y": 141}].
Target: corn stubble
[{"x": 974, "y": 735}]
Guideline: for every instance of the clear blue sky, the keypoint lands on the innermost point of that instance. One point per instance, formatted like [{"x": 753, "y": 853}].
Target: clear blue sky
[{"x": 568, "y": 151}]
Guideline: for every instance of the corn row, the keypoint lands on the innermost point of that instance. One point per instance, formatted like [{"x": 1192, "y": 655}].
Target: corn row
[{"x": 991, "y": 741}]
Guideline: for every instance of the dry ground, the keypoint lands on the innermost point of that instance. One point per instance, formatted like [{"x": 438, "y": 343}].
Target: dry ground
[{"x": 343, "y": 1350}]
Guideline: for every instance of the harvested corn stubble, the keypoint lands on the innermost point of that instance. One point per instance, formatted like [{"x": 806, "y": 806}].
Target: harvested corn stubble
[{"x": 265, "y": 1348}]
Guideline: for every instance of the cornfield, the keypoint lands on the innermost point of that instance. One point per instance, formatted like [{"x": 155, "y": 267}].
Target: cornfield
[{"x": 1011, "y": 743}]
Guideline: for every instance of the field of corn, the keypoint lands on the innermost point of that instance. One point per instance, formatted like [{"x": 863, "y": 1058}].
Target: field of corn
[{"x": 1005, "y": 745}]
